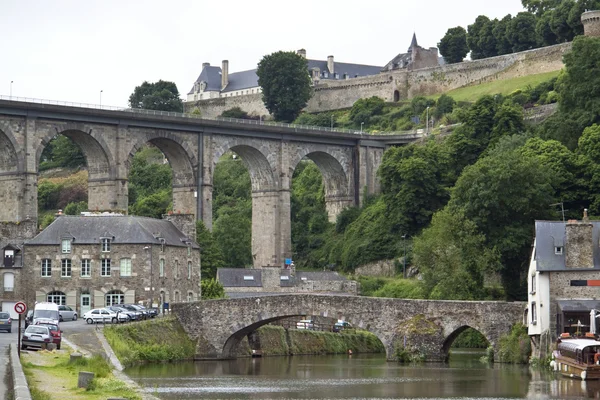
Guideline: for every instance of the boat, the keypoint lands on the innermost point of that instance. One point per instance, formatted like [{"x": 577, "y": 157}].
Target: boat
[{"x": 574, "y": 357}]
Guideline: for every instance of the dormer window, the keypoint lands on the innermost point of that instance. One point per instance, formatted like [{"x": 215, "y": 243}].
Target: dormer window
[
  {"x": 162, "y": 245},
  {"x": 285, "y": 277},
  {"x": 558, "y": 250},
  {"x": 9, "y": 257},
  {"x": 65, "y": 246},
  {"x": 248, "y": 277},
  {"x": 105, "y": 245}
]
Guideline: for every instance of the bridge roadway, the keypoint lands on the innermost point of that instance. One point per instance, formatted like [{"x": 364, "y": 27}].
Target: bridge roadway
[{"x": 426, "y": 326}]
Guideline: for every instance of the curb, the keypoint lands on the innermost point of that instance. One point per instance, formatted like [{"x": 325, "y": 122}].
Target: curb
[{"x": 20, "y": 386}]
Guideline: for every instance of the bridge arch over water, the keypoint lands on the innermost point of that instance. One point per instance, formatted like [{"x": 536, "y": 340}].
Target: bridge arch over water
[{"x": 426, "y": 326}]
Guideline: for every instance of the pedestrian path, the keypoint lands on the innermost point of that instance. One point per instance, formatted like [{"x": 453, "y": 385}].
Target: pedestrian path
[{"x": 5, "y": 381}]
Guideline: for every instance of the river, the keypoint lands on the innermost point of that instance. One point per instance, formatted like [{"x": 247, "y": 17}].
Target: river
[{"x": 365, "y": 376}]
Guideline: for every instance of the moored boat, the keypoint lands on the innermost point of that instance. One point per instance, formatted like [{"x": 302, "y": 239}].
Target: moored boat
[{"x": 574, "y": 358}]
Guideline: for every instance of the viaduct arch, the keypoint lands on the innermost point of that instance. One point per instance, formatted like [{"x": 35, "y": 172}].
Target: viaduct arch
[
  {"x": 427, "y": 326},
  {"x": 192, "y": 145}
]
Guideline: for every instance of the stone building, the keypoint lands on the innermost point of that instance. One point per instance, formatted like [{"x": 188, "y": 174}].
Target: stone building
[
  {"x": 244, "y": 282},
  {"x": 94, "y": 261},
  {"x": 563, "y": 280}
]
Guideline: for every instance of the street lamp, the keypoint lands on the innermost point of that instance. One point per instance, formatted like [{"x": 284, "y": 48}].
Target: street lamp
[
  {"x": 11, "y": 82},
  {"x": 427, "y": 130},
  {"x": 361, "y": 125},
  {"x": 404, "y": 258},
  {"x": 101, "y": 98}
]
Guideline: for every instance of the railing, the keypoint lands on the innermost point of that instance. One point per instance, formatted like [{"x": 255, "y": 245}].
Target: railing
[{"x": 199, "y": 117}]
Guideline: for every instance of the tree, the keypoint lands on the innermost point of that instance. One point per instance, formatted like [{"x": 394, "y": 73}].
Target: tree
[
  {"x": 62, "y": 152},
  {"x": 521, "y": 32},
  {"x": 474, "y": 36},
  {"x": 453, "y": 45},
  {"x": 235, "y": 112},
  {"x": 543, "y": 29},
  {"x": 539, "y": 6},
  {"x": 212, "y": 257},
  {"x": 502, "y": 44},
  {"x": 161, "y": 95},
  {"x": 444, "y": 105},
  {"x": 286, "y": 85},
  {"x": 211, "y": 289},
  {"x": 487, "y": 40}
]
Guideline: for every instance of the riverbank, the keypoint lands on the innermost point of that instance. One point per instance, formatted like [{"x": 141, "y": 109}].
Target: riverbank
[{"x": 164, "y": 339}]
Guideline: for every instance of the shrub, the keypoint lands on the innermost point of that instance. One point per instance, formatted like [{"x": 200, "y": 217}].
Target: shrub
[
  {"x": 515, "y": 347},
  {"x": 235, "y": 112},
  {"x": 363, "y": 109}
]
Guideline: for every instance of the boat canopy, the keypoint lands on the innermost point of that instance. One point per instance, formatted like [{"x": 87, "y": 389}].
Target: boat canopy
[{"x": 577, "y": 344}]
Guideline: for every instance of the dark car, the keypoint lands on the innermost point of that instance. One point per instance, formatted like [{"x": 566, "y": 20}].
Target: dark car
[
  {"x": 5, "y": 322},
  {"x": 131, "y": 315},
  {"x": 54, "y": 331},
  {"x": 138, "y": 313},
  {"x": 152, "y": 312},
  {"x": 28, "y": 318}
]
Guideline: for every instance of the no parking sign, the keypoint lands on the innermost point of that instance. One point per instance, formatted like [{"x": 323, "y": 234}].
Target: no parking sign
[{"x": 20, "y": 307}]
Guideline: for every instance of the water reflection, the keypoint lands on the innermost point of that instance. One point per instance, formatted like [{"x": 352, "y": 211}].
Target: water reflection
[{"x": 354, "y": 377}]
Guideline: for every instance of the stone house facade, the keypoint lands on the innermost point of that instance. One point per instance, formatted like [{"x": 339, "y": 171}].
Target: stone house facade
[
  {"x": 94, "y": 261},
  {"x": 563, "y": 281}
]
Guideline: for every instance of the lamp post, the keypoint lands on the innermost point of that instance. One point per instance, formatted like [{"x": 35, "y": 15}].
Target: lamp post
[
  {"x": 361, "y": 126},
  {"x": 101, "y": 98},
  {"x": 427, "y": 130},
  {"x": 404, "y": 258},
  {"x": 11, "y": 82}
]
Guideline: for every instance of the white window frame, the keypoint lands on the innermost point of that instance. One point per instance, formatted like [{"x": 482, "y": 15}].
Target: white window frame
[
  {"x": 66, "y": 268},
  {"x": 161, "y": 267},
  {"x": 176, "y": 269},
  {"x": 86, "y": 268},
  {"x": 105, "y": 245},
  {"x": 533, "y": 313},
  {"x": 105, "y": 267},
  {"x": 52, "y": 297},
  {"x": 46, "y": 268},
  {"x": 558, "y": 250},
  {"x": 125, "y": 266},
  {"x": 65, "y": 246},
  {"x": 114, "y": 298},
  {"x": 189, "y": 270}
]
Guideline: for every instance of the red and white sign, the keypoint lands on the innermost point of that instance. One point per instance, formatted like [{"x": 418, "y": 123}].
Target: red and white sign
[{"x": 20, "y": 307}]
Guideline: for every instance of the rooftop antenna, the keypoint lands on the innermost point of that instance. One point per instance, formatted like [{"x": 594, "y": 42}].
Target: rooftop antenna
[{"x": 562, "y": 208}]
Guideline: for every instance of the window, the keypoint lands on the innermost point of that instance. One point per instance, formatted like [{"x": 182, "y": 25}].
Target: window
[
  {"x": 105, "y": 245},
  {"x": 533, "y": 314},
  {"x": 162, "y": 245},
  {"x": 46, "y": 267},
  {"x": 57, "y": 297},
  {"x": 65, "y": 268},
  {"x": 125, "y": 266},
  {"x": 86, "y": 268},
  {"x": 176, "y": 269},
  {"x": 114, "y": 297},
  {"x": 9, "y": 282},
  {"x": 558, "y": 250},
  {"x": 284, "y": 278},
  {"x": 105, "y": 270},
  {"x": 189, "y": 249},
  {"x": 66, "y": 246},
  {"x": 190, "y": 296},
  {"x": 189, "y": 270},
  {"x": 532, "y": 284},
  {"x": 336, "y": 75},
  {"x": 248, "y": 277},
  {"x": 161, "y": 267}
]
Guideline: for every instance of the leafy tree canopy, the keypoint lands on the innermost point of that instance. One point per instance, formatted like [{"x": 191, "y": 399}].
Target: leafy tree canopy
[
  {"x": 453, "y": 45},
  {"x": 212, "y": 289},
  {"x": 161, "y": 96},
  {"x": 212, "y": 257},
  {"x": 286, "y": 85}
]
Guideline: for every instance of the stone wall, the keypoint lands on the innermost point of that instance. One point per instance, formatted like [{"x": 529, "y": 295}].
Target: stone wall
[
  {"x": 384, "y": 268},
  {"x": 251, "y": 103},
  {"x": 15, "y": 233}
]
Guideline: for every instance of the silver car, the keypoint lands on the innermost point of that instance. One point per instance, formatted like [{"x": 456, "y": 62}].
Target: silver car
[
  {"x": 36, "y": 336},
  {"x": 67, "y": 313},
  {"x": 5, "y": 322}
]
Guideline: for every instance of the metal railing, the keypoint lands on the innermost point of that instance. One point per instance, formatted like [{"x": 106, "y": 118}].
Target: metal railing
[{"x": 200, "y": 117}]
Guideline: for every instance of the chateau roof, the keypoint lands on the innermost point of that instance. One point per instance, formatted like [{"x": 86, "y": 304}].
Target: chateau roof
[
  {"x": 241, "y": 80},
  {"x": 250, "y": 277},
  {"x": 120, "y": 229},
  {"x": 212, "y": 77}
]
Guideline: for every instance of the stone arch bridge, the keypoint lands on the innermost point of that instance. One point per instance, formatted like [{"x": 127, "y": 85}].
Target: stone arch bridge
[
  {"x": 110, "y": 138},
  {"x": 427, "y": 326}
]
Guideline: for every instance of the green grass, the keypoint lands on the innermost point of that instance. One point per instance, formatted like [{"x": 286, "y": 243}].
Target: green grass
[
  {"x": 505, "y": 87},
  {"x": 161, "y": 339}
]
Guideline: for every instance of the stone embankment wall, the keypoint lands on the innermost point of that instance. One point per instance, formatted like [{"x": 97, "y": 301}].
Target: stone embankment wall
[
  {"x": 336, "y": 94},
  {"x": 384, "y": 268}
]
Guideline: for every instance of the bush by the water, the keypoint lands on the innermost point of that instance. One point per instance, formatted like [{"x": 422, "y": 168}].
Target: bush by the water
[
  {"x": 160, "y": 339},
  {"x": 515, "y": 347}
]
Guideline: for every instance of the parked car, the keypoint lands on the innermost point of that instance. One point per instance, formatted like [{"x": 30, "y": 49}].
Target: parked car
[
  {"x": 305, "y": 324},
  {"x": 67, "y": 313},
  {"x": 5, "y": 322},
  {"x": 36, "y": 336},
  {"x": 55, "y": 332},
  {"x": 103, "y": 315},
  {"x": 138, "y": 313},
  {"x": 46, "y": 310},
  {"x": 341, "y": 325},
  {"x": 152, "y": 312},
  {"x": 131, "y": 315},
  {"x": 28, "y": 318}
]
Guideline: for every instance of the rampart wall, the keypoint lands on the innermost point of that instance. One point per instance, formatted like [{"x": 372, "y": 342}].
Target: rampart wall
[{"x": 333, "y": 95}]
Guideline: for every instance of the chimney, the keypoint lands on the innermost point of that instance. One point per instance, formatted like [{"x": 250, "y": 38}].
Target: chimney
[
  {"x": 579, "y": 243},
  {"x": 301, "y": 52},
  {"x": 204, "y": 65},
  {"x": 330, "y": 65},
  {"x": 224, "y": 74}
]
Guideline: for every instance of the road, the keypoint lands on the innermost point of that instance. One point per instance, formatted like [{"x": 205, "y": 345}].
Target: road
[{"x": 6, "y": 339}]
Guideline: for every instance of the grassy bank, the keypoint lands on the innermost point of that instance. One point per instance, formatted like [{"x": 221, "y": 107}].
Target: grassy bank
[
  {"x": 51, "y": 377},
  {"x": 160, "y": 339}
]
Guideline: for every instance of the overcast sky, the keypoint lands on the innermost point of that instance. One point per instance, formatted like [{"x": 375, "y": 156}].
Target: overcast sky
[{"x": 71, "y": 50}]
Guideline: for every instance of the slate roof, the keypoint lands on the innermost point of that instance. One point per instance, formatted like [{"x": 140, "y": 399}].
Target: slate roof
[
  {"x": 212, "y": 76},
  {"x": 341, "y": 68},
  {"x": 234, "y": 277},
  {"x": 549, "y": 234},
  {"x": 241, "y": 80},
  {"x": 121, "y": 229}
]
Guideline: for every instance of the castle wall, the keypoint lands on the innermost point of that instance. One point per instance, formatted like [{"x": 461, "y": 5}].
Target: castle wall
[{"x": 336, "y": 94}]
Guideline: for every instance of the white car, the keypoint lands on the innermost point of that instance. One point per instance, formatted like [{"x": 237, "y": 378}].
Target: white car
[{"x": 103, "y": 315}]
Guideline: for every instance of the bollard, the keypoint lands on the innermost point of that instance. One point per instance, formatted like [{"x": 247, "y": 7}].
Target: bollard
[
  {"x": 51, "y": 346},
  {"x": 84, "y": 379},
  {"x": 74, "y": 357}
]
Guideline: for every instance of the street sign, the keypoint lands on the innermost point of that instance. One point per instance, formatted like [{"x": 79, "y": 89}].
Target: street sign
[
  {"x": 288, "y": 261},
  {"x": 20, "y": 307}
]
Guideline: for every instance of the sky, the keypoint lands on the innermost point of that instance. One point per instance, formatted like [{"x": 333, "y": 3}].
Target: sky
[{"x": 98, "y": 51}]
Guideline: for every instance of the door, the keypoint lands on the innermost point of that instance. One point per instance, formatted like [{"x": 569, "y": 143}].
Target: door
[
  {"x": 85, "y": 304},
  {"x": 9, "y": 307}
]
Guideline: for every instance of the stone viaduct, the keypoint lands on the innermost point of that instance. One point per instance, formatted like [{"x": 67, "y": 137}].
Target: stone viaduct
[
  {"x": 110, "y": 138},
  {"x": 426, "y": 326}
]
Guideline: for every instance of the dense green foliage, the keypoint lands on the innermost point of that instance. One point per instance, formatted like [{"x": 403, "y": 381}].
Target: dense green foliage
[
  {"x": 161, "y": 96},
  {"x": 285, "y": 83},
  {"x": 515, "y": 348},
  {"x": 470, "y": 339},
  {"x": 61, "y": 152},
  {"x": 212, "y": 289},
  {"x": 150, "y": 192},
  {"x": 212, "y": 257},
  {"x": 236, "y": 112},
  {"x": 453, "y": 46}
]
